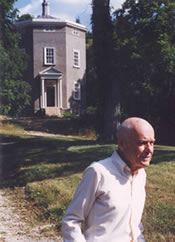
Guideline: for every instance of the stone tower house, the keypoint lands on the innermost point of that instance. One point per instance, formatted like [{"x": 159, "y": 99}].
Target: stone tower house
[{"x": 56, "y": 51}]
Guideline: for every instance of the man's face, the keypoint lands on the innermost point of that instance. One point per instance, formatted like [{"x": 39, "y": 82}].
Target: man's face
[{"x": 138, "y": 148}]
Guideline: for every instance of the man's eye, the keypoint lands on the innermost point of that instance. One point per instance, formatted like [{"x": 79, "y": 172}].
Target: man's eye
[
  {"x": 146, "y": 143},
  {"x": 143, "y": 143}
]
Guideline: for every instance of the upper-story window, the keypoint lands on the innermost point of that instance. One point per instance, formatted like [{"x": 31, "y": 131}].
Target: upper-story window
[
  {"x": 49, "y": 56},
  {"x": 75, "y": 32},
  {"x": 49, "y": 28},
  {"x": 76, "y": 58},
  {"x": 77, "y": 91}
]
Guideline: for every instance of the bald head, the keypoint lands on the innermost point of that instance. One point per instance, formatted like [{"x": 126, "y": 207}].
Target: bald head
[
  {"x": 136, "y": 142},
  {"x": 132, "y": 126}
]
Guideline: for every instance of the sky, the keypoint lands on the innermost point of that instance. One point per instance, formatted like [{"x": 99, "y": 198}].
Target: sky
[{"x": 63, "y": 9}]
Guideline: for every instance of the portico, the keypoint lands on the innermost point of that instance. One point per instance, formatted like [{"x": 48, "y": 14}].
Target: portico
[{"x": 51, "y": 91}]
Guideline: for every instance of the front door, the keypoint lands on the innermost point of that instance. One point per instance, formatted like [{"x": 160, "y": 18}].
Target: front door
[{"x": 50, "y": 96}]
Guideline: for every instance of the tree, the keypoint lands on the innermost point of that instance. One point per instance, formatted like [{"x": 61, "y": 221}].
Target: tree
[
  {"x": 91, "y": 79},
  {"x": 14, "y": 97},
  {"x": 146, "y": 59},
  {"x": 14, "y": 92},
  {"x": 24, "y": 17},
  {"x": 146, "y": 38},
  {"x": 108, "y": 105}
]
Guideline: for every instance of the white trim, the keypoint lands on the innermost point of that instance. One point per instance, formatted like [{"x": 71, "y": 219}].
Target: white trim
[
  {"x": 55, "y": 93},
  {"x": 61, "y": 95},
  {"x": 55, "y": 21},
  {"x": 50, "y": 72},
  {"x": 77, "y": 91},
  {"x": 52, "y": 56},
  {"x": 57, "y": 84},
  {"x": 42, "y": 93}
]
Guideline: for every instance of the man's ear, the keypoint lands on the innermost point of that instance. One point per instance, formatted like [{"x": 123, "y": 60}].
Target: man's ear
[{"x": 121, "y": 144}]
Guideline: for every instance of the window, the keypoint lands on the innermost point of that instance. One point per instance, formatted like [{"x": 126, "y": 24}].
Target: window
[
  {"x": 76, "y": 58},
  {"x": 77, "y": 91},
  {"x": 49, "y": 56},
  {"x": 75, "y": 32},
  {"x": 49, "y": 28}
]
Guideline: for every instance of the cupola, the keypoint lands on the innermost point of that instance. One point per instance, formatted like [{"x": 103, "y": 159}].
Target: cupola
[{"x": 45, "y": 8}]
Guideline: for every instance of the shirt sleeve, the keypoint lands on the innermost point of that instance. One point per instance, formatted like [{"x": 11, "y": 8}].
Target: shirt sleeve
[{"x": 80, "y": 207}]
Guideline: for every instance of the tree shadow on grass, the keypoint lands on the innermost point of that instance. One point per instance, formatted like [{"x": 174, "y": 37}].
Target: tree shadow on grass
[
  {"x": 31, "y": 159},
  {"x": 27, "y": 159}
]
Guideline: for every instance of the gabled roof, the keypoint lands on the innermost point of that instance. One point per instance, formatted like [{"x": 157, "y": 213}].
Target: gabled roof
[{"x": 50, "y": 71}]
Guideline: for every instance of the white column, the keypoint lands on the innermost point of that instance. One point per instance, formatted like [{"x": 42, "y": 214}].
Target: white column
[
  {"x": 57, "y": 93},
  {"x": 42, "y": 94},
  {"x": 60, "y": 94}
]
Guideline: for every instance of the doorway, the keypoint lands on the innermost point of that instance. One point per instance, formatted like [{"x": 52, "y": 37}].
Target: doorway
[{"x": 50, "y": 96}]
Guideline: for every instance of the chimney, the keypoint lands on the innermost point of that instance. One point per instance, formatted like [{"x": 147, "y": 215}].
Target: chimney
[{"x": 45, "y": 8}]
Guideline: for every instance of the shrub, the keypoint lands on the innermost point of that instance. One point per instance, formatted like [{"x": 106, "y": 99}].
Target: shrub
[{"x": 14, "y": 97}]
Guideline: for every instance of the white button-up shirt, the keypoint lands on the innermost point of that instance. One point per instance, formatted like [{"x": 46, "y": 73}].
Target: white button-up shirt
[{"x": 108, "y": 202}]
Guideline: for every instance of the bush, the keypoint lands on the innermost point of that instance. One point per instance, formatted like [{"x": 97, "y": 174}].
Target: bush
[
  {"x": 69, "y": 115},
  {"x": 14, "y": 97},
  {"x": 89, "y": 118}
]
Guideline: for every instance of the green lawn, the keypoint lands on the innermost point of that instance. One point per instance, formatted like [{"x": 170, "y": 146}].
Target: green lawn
[{"x": 46, "y": 171}]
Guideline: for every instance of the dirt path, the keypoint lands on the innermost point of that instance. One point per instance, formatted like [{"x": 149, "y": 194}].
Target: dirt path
[{"x": 14, "y": 229}]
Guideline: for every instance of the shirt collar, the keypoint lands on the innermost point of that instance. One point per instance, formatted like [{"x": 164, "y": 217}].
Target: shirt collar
[{"x": 123, "y": 168}]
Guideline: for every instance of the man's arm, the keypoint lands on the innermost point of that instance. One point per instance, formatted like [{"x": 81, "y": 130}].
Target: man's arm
[{"x": 80, "y": 207}]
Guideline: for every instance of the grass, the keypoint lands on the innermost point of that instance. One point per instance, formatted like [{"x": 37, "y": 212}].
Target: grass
[
  {"x": 159, "y": 213},
  {"x": 43, "y": 173}
]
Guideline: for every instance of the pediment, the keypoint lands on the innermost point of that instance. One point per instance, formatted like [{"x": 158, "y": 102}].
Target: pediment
[{"x": 50, "y": 71}]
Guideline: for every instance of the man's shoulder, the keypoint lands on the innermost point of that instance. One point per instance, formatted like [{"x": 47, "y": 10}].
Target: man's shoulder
[{"x": 101, "y": 165}]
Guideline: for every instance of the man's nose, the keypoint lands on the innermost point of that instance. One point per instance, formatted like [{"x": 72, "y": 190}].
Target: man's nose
[{"x": 149, "y": 147}]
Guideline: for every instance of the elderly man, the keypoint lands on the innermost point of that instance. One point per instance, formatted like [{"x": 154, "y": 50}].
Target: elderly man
[{"x": 109, "y": 201}]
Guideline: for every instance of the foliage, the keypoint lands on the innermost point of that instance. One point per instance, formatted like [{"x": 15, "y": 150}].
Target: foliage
[
  {"x": 9, "y": 37},
  {"x": 108, "y": 105},
  {"x": 91, "y": 110},
  {"x": 69, "y": 115},
  {"x": 14, "y": 97},
  {"x": 14, "y": 92},
  {"x": 145, "y": 58},
  {"x": 24, "y": 17}
]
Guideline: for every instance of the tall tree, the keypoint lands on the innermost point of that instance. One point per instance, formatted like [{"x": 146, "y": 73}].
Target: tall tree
[
  {"x": 14, "y": 93},
  {"x": 146, "y": 49},
  {"x": 146, "y": 58},
  {"x": 90, "y": 73},
  {"x": 108, "y": 105}
]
